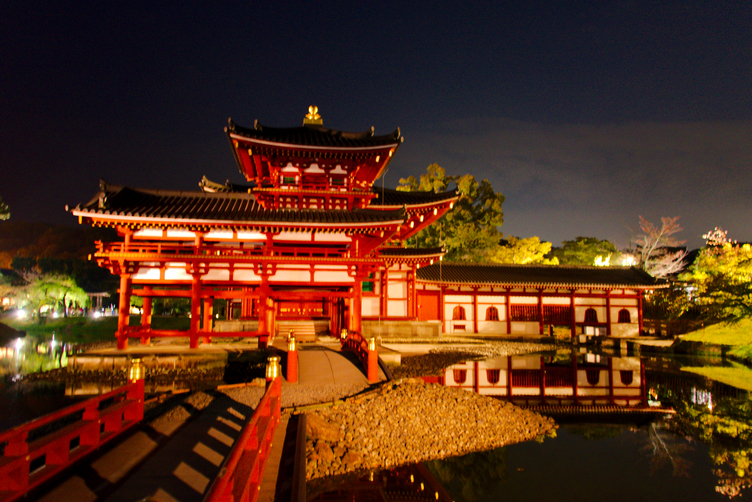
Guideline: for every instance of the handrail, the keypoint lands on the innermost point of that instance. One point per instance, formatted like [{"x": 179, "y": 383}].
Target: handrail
[
  {"x": 26, "y": 464},
  {"x": 211, "y": 250},
  {"x": 242, "y": 471},
  {"x": 364, "y": 349}
]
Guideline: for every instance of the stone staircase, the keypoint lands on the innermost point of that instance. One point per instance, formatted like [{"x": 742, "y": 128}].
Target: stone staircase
[{"x": 304, "y": 330}]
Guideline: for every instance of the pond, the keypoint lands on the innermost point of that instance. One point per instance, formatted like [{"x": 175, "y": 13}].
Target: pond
[{"x": 680, "y": 436}]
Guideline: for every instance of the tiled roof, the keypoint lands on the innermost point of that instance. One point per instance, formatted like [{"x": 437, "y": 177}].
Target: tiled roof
[
  {"x": 538, "y": 275},
  {"x": 314, "y": 135},
  {"x": 232, "y": 208},
  {"x": 410, "y": 252},
  {"x": 391, "y": 197},
  {"x": 384, "y": 196}
]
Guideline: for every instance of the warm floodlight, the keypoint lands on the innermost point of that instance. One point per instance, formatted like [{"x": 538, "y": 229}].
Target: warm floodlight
[{"x": 19, "y": 343}]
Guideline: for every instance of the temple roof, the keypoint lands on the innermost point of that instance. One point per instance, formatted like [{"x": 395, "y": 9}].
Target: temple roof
[
  {"x": 398, "y": 198},
  {"x": 146, "y": 207},
  {"x": 314, "y": 135},
  {"x": 385, "y": 197},
  {"x": 411, "y": 252},
  {"x": 548, "y": 276}
]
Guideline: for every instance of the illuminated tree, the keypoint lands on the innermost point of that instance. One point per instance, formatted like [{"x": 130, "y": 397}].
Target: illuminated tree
[
  {"x": 4, "y": 210},
  {"x": 722, "y": 277},
  {"x": 521, "y": 251},
  {"x": 49, "y": 290},
  {"x": 584, "y": 251},
  {"x": 654, "y": 247},
  {"x": 470, "y": 230}
]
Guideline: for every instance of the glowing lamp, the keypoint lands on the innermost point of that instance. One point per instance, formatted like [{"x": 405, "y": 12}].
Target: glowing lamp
[
  {"x": 136, "y": 371},
  {"x": 272, "y": 368}
]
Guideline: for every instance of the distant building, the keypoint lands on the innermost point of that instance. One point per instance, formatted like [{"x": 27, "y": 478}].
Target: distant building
[{"x": 311, "y": 244}]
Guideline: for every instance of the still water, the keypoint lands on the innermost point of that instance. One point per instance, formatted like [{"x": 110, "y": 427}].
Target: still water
[{"x": 700, "y": 452}]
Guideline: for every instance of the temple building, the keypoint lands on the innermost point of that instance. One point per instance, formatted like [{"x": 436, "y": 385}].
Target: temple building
[{"x": 313, "y": 245}]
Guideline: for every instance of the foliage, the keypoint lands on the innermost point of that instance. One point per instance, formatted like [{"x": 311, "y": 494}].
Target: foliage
[
  {"x": 584, "y": 251},
  {"x": 654, "y": 247},
  {"x": 467, "y": 477},
  {"x": 470, "y": 230},
  {"x": 522, "y": 251},
  {"x": 4, "y": 210},
  {"x": 722, "y": 279},
  {"x": 52, "y": 291},
  {"x": 727, "y": 428}
]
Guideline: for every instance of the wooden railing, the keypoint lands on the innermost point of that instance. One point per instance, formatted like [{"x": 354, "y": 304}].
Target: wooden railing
[
  {"x": 240, "y": 476},
  {"x": 365, "y": 350},
  {"x": 37, "y": 450},
  {"x": 216, "y": 252}
]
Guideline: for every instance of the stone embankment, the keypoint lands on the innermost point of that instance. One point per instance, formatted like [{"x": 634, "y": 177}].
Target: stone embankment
[
  {"x": 433, "y": 363},
  {"x": 408, "y": 422}
]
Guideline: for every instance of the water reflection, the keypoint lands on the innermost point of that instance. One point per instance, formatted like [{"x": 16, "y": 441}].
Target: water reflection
[{"x": 617, "y": 439}]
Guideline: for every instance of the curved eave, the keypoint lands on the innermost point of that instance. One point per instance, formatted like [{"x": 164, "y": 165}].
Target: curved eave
[
  {"x": 147, "y": 221},
  {"x": 544, "y": 285},
  {"x": 320, "y": 148}
]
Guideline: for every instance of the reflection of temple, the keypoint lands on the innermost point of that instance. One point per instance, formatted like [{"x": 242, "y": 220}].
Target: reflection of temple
[
  {"x": 586, "y": 380},
  {"x": 312, "y": 244},
  {"x": 408, "y": 483}
]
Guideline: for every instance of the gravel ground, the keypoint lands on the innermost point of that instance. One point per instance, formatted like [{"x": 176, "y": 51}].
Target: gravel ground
[
  {"x": 408, "y": 422},
  {"x": 433, "y": 363}
]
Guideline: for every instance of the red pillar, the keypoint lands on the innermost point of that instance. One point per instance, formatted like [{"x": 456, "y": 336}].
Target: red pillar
[
  {"x": 292, "y": 361},
  {"x": 208, "y": 318},
  {"x": 373, "y": 361},
  {"x": 475, "y": 310},
  {"x": 124, "y": 307},
  {"x": 540, "y": 312},
  {"x": 356, "y": 305},
  {"x": 195, "y": 310},
  {"x": 476, "y": 382},
  {"x": 639, "y": 312},
  {"x": 509, "y": 313},
  {"x": 146, "y": 320},
  {"x": 574, "y": 317}
]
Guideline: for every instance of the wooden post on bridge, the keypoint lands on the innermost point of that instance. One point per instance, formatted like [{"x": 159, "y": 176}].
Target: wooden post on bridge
[
  {"x": 292, "y": 360},
  {"x": 373, "y": 361}
]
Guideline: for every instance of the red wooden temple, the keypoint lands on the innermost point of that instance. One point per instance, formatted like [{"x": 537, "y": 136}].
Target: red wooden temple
[{"x": 311, "y": 244}]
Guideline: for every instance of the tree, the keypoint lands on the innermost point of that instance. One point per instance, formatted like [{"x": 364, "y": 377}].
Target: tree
[
  {"x": 4, "y": 210},
  {"x": 584, "y": 251},
  {"x": 470, "y": 230},
  {"x": 656, "y": 250},
  {"x": 722, "y": 278},
  {"x": 48, "y": 290},
  {"x": 522, "y": 251}
]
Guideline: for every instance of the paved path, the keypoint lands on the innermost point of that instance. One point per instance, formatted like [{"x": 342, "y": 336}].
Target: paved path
[{"x": 176, "y": 461}]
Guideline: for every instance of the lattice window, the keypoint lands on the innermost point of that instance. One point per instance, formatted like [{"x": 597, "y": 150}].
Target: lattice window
[
  {"x": 458, "y": 314},
  {"x": 459, "y": 376},
  {"x": 368, "y": 285},
  {"x": 624, "y": 316},
  {"x": 493, "y": 376},
  {"x": 591, "y": 316},
  {"x": 492, "y": 314},
  {"x": 527, "y": 313},
  {"x": 626, "y": 376},
  {"x": 557, "y": 314},
  {"x": 593, "y": 376}
]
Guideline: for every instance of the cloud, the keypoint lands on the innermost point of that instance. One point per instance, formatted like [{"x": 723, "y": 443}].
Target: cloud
[{"x": 608, "y": 173}]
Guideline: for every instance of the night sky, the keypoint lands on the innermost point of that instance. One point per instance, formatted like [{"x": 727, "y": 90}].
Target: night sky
[{"x": 585, "y": 115}]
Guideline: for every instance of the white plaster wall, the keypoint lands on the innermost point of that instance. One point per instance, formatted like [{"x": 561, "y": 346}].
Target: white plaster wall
[
  {"x": 147, "y": 274},
  {"x": 332, "y": 277},
  {"x": 370, "y": 306},
  {"x": 245, "y": 275},
  {"x": 396, "y": 308},
  {"x": 396, "y": 289},
  {"x": 579, "y": 313},
  {"x": 525, "y": 328},
  {"x": 492, "y": 326},
  {"x": 523, "y": 300},
  {"x": 624, "y": 301},
  {"x": 526, "y": 362},
  {"x": 491, "y": 299},
  {"x": 216, "y": 275},
  {"x": 291, "y": 276},
  {"x": 459, "y": 299},
  {"x": 556, "y": 300},
  {"x": 589, "y": 301},
  {"x": 177, "y": 274}
]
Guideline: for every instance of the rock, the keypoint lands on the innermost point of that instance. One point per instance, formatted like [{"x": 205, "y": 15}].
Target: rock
[
  {"x": 324, "y": 451},
  {"x": 318, "y": 428}
]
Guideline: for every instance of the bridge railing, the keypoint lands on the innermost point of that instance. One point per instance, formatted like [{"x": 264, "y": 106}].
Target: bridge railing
[
  {"x": 364, "y": 349},
  {"x": 38, "y": 450},
  {"x": 240, "y": 476}
]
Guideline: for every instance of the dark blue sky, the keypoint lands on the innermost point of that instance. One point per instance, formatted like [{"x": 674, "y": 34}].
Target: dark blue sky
[{"x": 585, "y": 115}]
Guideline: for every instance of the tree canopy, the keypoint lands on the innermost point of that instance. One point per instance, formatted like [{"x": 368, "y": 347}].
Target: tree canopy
[
  {"x": 722, "y": 278},
  {"x": 529, "y": 250},
  {"x": 4, "y": 210},
  {"x": 584, "y": 251},
  {"x": 656, "y": 249},
  {"x": 470, "y": 230}
]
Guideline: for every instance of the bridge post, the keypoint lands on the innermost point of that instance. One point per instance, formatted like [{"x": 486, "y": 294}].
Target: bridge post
[
  {"x": 272, "y": 370},
  {"x": 373, "y": 361},
  {"x": 292, "y": 360}
]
